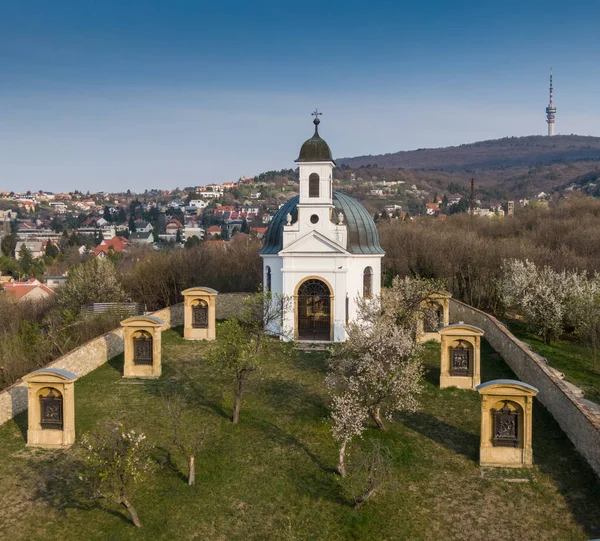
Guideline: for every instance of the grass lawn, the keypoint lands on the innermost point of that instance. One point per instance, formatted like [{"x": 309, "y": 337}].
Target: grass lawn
[
  {"x": 573, "y": 359},
  {"x": 271, "y": 476}
]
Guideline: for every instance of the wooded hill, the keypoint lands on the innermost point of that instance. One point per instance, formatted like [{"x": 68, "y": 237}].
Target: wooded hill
[
  {"x": 531, "y": 151},
  {"x": 517, "y": 166}
]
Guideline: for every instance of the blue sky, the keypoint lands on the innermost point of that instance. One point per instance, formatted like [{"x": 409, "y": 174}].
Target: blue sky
[{"x": 110, "y": 95}]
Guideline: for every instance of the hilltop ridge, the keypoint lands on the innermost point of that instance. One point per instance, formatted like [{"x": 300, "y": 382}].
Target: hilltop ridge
[{"x": 508, "y": 152}]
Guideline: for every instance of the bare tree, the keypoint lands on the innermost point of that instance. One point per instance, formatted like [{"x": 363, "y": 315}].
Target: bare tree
[
  {"x": 374, "y": 472},
  {"x": 185, "y": 436},
  {"x": 243, "y": 345}
]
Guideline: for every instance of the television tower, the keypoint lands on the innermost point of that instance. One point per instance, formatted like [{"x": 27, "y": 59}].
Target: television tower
[{"x": 550, "y": 110}]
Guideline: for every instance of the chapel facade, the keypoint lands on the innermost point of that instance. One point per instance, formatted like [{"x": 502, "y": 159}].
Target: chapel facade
[{"x": 322, "y": 251}]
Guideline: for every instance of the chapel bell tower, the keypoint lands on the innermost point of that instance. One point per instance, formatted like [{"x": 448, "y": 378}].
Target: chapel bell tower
[{"x": 316, "y": 172}]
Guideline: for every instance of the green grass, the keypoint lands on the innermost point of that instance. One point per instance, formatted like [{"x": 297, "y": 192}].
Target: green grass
[
  {"x": 271, "y": 476},
  {"x": 573, "y": 359}
]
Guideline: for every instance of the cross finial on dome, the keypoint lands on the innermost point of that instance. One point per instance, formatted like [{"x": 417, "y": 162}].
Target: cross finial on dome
[{"x": 316, "y": 121}]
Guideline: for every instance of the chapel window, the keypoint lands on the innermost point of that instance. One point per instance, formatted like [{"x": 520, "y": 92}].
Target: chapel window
[
  {"x": 368, "y": 283},
  {"x": 268, "y": 279},
  {"x": 313, "y": 185}
]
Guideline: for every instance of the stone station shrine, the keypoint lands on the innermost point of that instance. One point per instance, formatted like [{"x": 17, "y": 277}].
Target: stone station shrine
[
  {"x": 51, "y": 408},
  {"x": 437, "y": 308},
  {"x": 460, "y": 356},
  {"x": 199, "y": 320},
  {"x": 506, "y": 423},
  {"x": 142, "y": 347}
]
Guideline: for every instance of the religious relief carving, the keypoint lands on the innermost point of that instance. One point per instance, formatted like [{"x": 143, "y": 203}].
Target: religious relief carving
[
  {"x": 200, "y": 315},
  {"x": 142, "y": 350},
  {"x": 460, "y": 364},
  {"x": 506, "y": 427},
  {"x": 51, "y": 411}
]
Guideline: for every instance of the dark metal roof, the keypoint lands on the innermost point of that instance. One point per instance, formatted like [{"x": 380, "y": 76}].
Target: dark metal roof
[
  {"x": 315, "y": 149},
  {"x": 362, "y": 232}
]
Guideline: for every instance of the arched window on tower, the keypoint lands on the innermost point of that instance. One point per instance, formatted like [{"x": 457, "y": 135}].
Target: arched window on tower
[
  {"x": 268, "y": 279},
  {"x": 368, "y": 283},
  {"x": 313, "y": 185}
]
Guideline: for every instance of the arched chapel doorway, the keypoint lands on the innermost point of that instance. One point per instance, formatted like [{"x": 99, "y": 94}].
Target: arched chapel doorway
[{"x": 313, "y": 314}]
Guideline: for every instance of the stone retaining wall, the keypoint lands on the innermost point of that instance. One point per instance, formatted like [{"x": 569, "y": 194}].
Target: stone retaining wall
[
  {"x": 578, "y": 418},
  {"x": 92, "y": 354}
]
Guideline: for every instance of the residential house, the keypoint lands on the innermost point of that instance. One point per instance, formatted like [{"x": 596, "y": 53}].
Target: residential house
[
  {"x": 198, "y": 203},
  {"x": 213, "y": 231},
  {"x": 193, "y": 230},
  {"x": 31, "y": 290},
  {"x": 143, "y": 227},
  {"x": 113, "y": 246},
  {"x": 141, "y": 237},
  {"x": 432, "y": 208},
  {"x": 55, "y": 282},
  {"x": 36, "y": 247}
]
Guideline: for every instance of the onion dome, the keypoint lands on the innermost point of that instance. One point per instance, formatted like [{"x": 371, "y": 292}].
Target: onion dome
[
  {"x": 363, "y": 237},
  {"x": 315, "y": 149}
]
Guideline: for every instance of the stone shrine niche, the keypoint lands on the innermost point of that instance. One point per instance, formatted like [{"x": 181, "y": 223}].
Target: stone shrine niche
[
  {"x": 506, "y": 423},
  {"x": 51, "y": 408},
  {"x": 461, "y": 359},
  {"x": 199, "y": 313},
  {"x": 436, "y": 314},
  {"x": 460, "y": 364},
  {"x": 142, "y": 347},
  {"x": 506, "y": 426}
]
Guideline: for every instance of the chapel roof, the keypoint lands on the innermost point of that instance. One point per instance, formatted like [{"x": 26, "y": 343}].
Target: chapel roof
[
  {"x": 315, "y": 149},
  {"x": 363, "y": 237}
]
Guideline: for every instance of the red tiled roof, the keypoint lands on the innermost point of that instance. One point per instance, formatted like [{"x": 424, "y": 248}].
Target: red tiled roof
[
  {"x": 175, "y": 222},
  {"x": 18, "y": 290}
]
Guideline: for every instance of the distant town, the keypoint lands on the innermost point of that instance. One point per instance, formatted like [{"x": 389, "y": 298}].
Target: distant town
[{"x": 38, "y": 226}]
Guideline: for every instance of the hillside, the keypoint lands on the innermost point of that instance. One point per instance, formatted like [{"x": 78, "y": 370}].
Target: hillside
[
  {"x": 509, "y": 152},
  {"x": 512, "y": 167}
]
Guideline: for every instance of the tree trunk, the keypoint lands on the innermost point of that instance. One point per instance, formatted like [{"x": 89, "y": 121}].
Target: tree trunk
[
  {"x": 359, "y": 501},
  {"x": 191, "y": 470},
  {"x": 132, "y": 513},
  {"x": 376, "y": 416},
  {"x": 341, "y": 467},
  {"x": 239, "y": 388}
]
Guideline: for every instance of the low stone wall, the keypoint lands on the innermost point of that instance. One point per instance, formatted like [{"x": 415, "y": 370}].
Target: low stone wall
[
  {"x": 578, "y": 418},
  {"x": 92, "y": 354}
]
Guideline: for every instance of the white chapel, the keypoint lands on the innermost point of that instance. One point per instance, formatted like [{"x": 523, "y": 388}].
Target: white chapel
[{"x": 321, "y": 250}]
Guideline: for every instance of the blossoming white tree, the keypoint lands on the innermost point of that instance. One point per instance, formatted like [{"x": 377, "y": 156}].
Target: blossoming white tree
[
  {"x": 540, "y": 294},
  {"x": 378, "y": 370},
  {"x": 583, "y": 308},
  {"x": 117, "y": 459}
]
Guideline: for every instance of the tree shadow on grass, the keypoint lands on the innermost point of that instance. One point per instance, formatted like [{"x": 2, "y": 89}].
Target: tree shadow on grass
[
  {"x": 59, "y": 486},
  {"x": 555, "y": 455},
  {"x": 293, "y": 398},
  {"x": 164, "y": 458},
  {"x": 315, "y": 361},
  {"x": 283, "y": 438},
  {"x": 191, "y": 389},
  {"x": 432, "y": 374},
  {"x": 314, "y": 483},
  {"x": 452, "y": 438}
]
